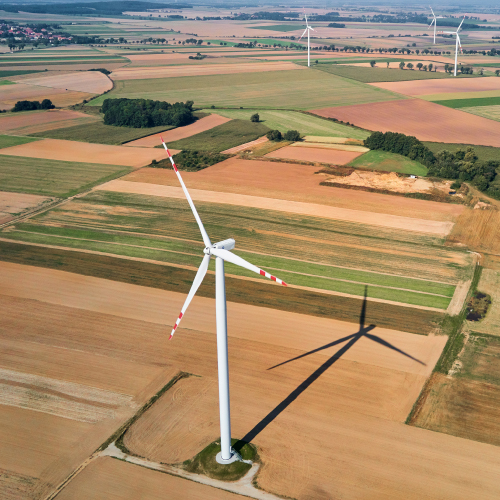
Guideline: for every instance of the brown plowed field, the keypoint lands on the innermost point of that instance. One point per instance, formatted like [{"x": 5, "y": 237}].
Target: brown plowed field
[
  {"x": 40, "y": 121},
  {"x": 82, "y": 81},
  {"x": 133, "y": 73},
  {"x": 425, "y": 120},
  {"x": 335, "y": 416},
  {"x": 425, "y": 87},
  {"x": 205, "y": 123},
  {"x": 57, "y": 149},
  {"x": 292, "y": 182},
  {"x": 17, "y": 203},
  {"x": 20, "y": 91},
  {"x": 322, "y": 155},
  {"x": 110, "y": 479},
  {"x": 392, "y": 221}
]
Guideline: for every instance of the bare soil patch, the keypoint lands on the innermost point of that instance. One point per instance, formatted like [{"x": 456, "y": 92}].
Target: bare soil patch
[
  {"x": 106, "y": 476},
  {"x": 56, "y": 149},
  {"x": 393, "y": 221},
  {"x": 425, "y": 120},
  {"x": 93, "y": 82},
  {"x": 322, "y": 155},
  {"x": 425, "y": 87},
  {"x": 40, "y": 121},
  {"x": 135, "y": 73},
  {"x": 18, "y": 203},
  {"x": 205, "y": 123},
  {"x": 265, "y": 179}
]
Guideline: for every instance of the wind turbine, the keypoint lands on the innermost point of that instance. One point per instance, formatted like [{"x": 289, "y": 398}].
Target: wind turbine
[
  {"x": 457, "y": 44},
  {"x": 221, "y": 252},
  {"x": 434, "y": 22},
  {"x": 308, "y": 30}
]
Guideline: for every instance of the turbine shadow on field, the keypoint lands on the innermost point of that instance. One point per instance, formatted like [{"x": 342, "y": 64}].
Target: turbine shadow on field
[{"x": 352, "y": 339}]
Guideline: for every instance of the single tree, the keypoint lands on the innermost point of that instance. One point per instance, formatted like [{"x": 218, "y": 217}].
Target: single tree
[
  {"x": 497, "y": 72},
  {"x": 274, "y": 135},
  {"x": 387, "y": 63},
  {"x": 292, "y": 135},
  {"x": 409, "y": 65},
  {"x": 255, "y": 118},
  {"x": 420, "y": 66},
  {"x": 401, "y": 65},
  {"x": 430, "y": 66},
  {"x": 372, "y": 63}
]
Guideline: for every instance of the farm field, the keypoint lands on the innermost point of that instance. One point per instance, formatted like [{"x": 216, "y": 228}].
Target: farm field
[
  {"x": 312, "y": 154},
  {"x": 449, "y": 85},
  {"x": 306, "y": 124},
  {"x": 371, "y": 75},
  {"x": 98, "y": 133},
  {"x": 38, "y": 121},
  {"x": 53, "y": 177},
  {"x": 57, "y": 149},
  {"x": 12, "y": 204},
  {"x": 389, "y": 162},
  {"x": 280, "y": 89},
  {"x": 484, "y": 153},
  {"x": 228, "y": 67},
  {"x": 490, "y": 112},
  {"x": 425, "y": 120},
  {"x": 6, "y": 141},
  {"x": 264, "y": 179},
  {"x": 470, "y": 103},
  {"x": 365, "y": 426},
  {"x": 221, "y": 137},
  {"x": 200, "y": 125}
]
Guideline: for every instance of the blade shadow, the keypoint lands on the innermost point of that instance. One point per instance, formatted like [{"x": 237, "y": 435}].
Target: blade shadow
[{"x": 352, "y": 339}]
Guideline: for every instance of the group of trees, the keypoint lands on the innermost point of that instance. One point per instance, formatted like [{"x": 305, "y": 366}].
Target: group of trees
[
  {"x": 32, "y": 105},
  {"x": 420, "y": 66},
  {"x": 463, "y": 165},
  {"x": 142, "y": 113},
  {"x": 289, "y": 135}
]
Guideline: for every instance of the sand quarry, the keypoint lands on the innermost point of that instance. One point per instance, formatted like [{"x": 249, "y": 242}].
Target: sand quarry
[
  {"x": 425, "y": 120},
  {"x": 339, "y": 431},
  {"x": 57, "y": 149},
  {"x": 205, "y": 123},
  {"x": 259, "y": 178}
]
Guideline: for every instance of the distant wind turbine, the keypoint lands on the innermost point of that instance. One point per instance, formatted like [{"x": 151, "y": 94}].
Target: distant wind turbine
[
  {"x": 434, "y": 22},
  {"x": 308, "y": 30},
  {"x": 221, "y": 252},
  {"x": 457, "y": 44}
]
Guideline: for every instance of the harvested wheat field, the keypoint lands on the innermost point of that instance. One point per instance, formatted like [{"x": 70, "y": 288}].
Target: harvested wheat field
[
  {"x": 134, "y": 73},
  {"x": 425, "y": 120},
  {"x": 265, "y": 179},
  {"x": 247, "y": 145},
  {"x": 424, "y": 87},
  {"x": 107, "y": 478},
  {"x": 40, "y": 121},
  {"x": 205, "y": 123},
  {"x": 322, "y": 155},
  {"x": 12, "y": 204},
  {"x": 59, "y": 96},
  {"x": 490, "y": 284},
  {"x": 57, "y": 149},
  {"x": 392, "y": 221},
  {"x": 93, "y": 82},
  {"x": 352, "y": 443}
]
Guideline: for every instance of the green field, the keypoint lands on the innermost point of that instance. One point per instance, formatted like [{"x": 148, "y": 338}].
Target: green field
[
  {"x": 279, "y": 27},
  {"x": 371, "y": 75},
  {"x": 99, "y": 133},
  {"x": 388, "y": 162},
  {"x": 294, "y": 120},
  {"x": 225, "y": 136},
  {"x": 490, "y": 112},
  {"x": 52, "y": 177},
  {"x": 4, "y": 74},
  {"x": 469, "y": 103},
  {"x": 6, "y": 141},
  {"x": 295, "y": 89},
  {"x": 57, "y": 59},
  {"x": 484, "y": 153},
  {"x": 6, "y": 82},
  {"x": 163, "y": 230}
]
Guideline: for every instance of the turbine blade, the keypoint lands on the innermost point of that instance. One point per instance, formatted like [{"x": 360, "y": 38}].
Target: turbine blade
[
  {"x": 434, "y": 15},
  {"x": 235, "y": 259},
  {"x": 461, "y": 23},
  {"x": 204, "y": 234},
  {"x": 432, "y": 22},
  {"x": 305, "y": 31},
  {"x": 202, "y": 270}
]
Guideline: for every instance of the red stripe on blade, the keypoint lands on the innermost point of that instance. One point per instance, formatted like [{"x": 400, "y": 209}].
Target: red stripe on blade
[
  {"x": 262, "y": 272},
  {"x": 181, "y": 315},
  {"x": 175, "y": 326},
  {"x": 273, "y": 278}
]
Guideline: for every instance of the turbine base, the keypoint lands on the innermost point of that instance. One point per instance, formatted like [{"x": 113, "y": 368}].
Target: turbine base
[{"x": 234, "y": 458}]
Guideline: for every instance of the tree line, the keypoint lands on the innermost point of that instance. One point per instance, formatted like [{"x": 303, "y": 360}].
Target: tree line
[
  {"x": 32, "y": 105},
  {"x": 144, "y": 113},
  {"x": 463, "y": 165}
]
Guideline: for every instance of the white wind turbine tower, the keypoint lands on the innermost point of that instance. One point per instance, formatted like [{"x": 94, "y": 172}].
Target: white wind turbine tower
[
  {"x": 221, "y": 252},
  {"x": 434, "y": 22},
  {"x": 457, "y": 44},
  {"x": 308, "y": 30}
]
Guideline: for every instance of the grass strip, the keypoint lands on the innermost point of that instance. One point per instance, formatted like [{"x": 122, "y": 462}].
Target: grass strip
[{"x": 469, "y": 103}]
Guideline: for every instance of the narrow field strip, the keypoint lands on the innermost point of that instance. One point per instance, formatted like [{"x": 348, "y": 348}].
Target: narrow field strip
[{"x": 393, "y": 221}]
